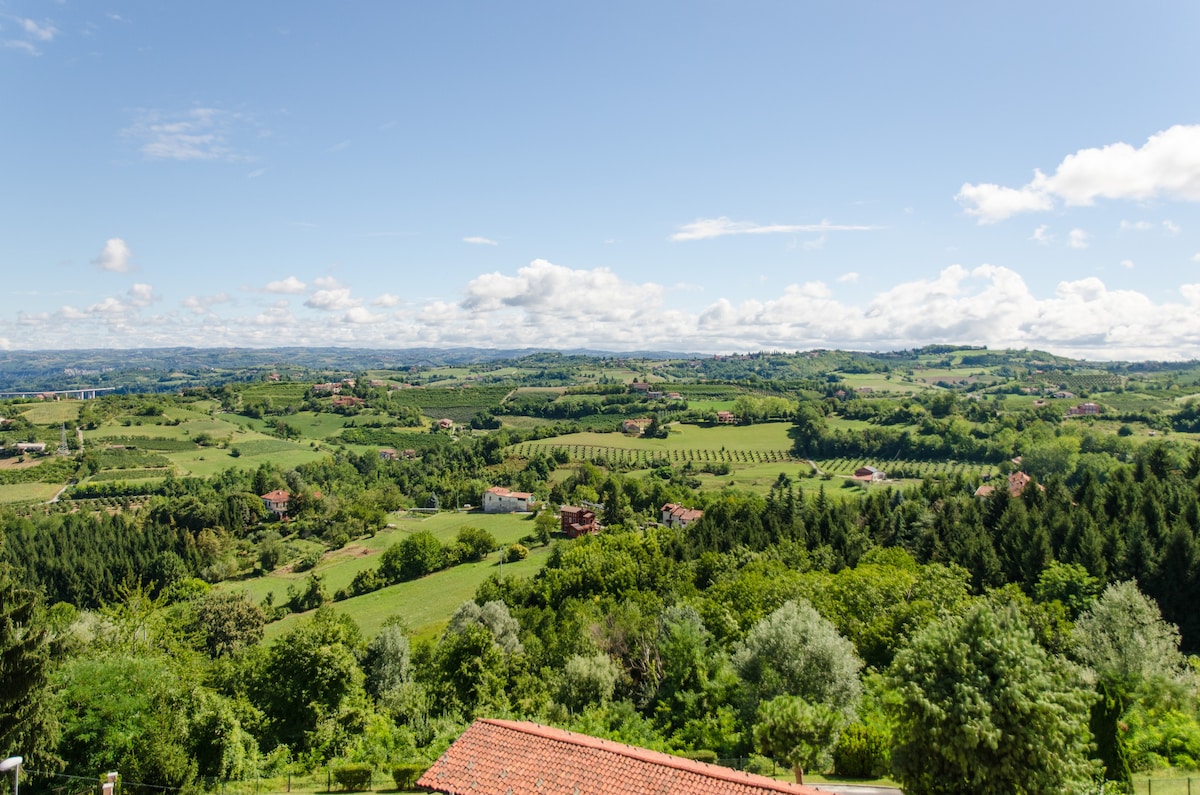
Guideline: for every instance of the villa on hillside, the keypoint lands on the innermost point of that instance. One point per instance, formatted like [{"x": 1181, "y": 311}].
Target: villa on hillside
[
  {"x": 726, "y": 418},
  {"x": 1084, "y": 410},
  {"x": 505, "y": 757},
  {"x": 277, "y": 502},
  {"x": 675, "y": 515},
  {"x": 498, "y": 499}
]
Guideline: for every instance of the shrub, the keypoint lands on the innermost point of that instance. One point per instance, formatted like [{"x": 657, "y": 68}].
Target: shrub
[
  {"x": 406, "y": 776},
  {"x": 516, "y": 552},
  {"x": 478, "y": 542},
  {"x": 760, "y": 765},
  {"x": 353, "y": 778},
  {"x": 861, "y": 752}
]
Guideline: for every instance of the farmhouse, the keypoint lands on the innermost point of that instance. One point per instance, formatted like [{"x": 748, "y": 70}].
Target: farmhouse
[
  {"x": 348, "y": 401},
  {"x": 1083, "y": 410},
  {"x": 577, "y": 521},
  {"x": 498, "y": 499},
  {"x": 726, "y": 418},
  {"x": 674, "y": 515},
  {"x": 445, "y": 423},
  {"x": 31, "y": 447},
  {"x": 635, "y": 427},
  {"x": 870, "y": 474},
  {"x": 1017, "y": 482},
  {"x": 389, "y": 454},
  {"x": 504, "y": 757},
  {"x": 276, "y": 502}
]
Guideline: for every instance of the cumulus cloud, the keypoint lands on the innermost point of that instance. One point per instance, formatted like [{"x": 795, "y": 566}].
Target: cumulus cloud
[
  {"x": 1126, "y": 263},
  {"x": 115, "y": 257},
  {"x": 332, "y": 300},
  {"x": 1170, "y": 227},
  {"x": 358, "y": 316},
  {"x": 1167, "y": 165},
  {"x": 848, "y": 278},
  {"x": 707, "y": 228},
  {"x": 386, "y": 300},
  {"x": 1042, "y": 235},
  {"x": 203, "y": 304},
  {"x": 1136, "y": 226},
  {"x": 1077, "y": 239},
  {"x": 194, "y": 134},
  {"x": 480, "y": 241},
  {"x": 289, "y": 286}
]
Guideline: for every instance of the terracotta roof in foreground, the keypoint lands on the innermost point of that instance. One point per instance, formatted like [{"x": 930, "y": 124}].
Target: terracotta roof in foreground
[{"x": 502, "y": 757}]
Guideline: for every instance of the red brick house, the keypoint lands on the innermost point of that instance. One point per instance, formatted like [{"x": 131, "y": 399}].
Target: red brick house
[
  {"x": 504, "y": 757},
  {"x": 348, "y": 401},
  {"x": 577, "y": 521},
  {"x": 726, "y": 418},
  {"x": 1084, "y": 410},
  {"x": 277, "y": 502}
]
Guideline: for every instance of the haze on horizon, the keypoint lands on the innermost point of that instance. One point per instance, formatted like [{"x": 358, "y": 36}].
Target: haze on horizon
[{"x": 709, "y": 177}]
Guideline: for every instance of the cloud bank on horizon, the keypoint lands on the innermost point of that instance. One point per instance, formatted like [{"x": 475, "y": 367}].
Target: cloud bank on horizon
[
  {"x": 616, "y": 178},
  {"x": 987, "y": 304}
]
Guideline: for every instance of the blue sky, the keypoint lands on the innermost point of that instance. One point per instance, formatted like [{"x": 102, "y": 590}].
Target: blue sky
[{"x": 708, "y": 177}]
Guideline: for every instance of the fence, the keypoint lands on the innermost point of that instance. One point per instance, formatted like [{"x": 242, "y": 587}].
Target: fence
[{"x": 1166, "y": 786}]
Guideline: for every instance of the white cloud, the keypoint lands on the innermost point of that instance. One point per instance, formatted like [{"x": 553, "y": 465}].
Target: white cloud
[
  {"x": 386, "y": 300},
  {"x": 327, "y": 283},
  {"x": 1171, "y": 227},
  {"x": 1127, "y": 263},
  {"x": 1167, "y": 165},
  {"x": 256, "y": 173},
  {"x": 1196, "y": 257},
  {"x": 815, "y": 245},
  {"x": 203, "y": 304},
  {"x": 1136, "y": 226},
  {"x": 480, "y": 241},
  {"x": 141, "y": 295},
  {"x": 1077, "y": 239},
  {"x": 289, "y": 286},
  {"x": 358, "y": 316},
  {"x": 334, "y": 300},
  {"x": 115, "y": 257},
  {"x": 706, "y": 228},
  {"x": 1042, "y": 235},
  {"x": 39, "y": 32},
  {"x": 529, "y": 307},
  {"x": 848, "y": 278},
  {"x": 24, "y": 46},
  {"x": 194, "y": 134}
]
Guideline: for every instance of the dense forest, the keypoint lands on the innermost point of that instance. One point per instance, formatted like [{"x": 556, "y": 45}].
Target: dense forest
[{"x": 1031, "y": 598}]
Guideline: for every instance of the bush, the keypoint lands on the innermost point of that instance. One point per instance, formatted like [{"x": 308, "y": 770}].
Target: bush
[
  {"x": 478, "y": 542},
  {"x": 516, "y": 552},
  {"x": 760, "y": 765},
  {"x": 418, "y": 555},
  {"x": 861, "y": 752},
  {"x": 353, "y": 778},
  {"x": 406, "y": 776}
]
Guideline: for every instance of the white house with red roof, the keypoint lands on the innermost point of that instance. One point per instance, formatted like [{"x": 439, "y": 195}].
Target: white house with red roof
[
  {"x": 498, "y": 499},
  {"x": 276, "y": 502}
]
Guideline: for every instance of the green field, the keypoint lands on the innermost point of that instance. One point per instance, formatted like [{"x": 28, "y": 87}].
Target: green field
[
  {"x": 764, "y": 438},
  {"x": 28, "y": 492},
  {"x": 52, "y": 412},
  {"x": 425, "y": 604},
  {"x": 339, "y": 567}
]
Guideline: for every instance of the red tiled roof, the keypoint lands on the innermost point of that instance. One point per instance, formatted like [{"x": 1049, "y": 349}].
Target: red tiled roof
[
  {"x": 279, "y": 495},
  {"x": 501, "y": 757}
]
